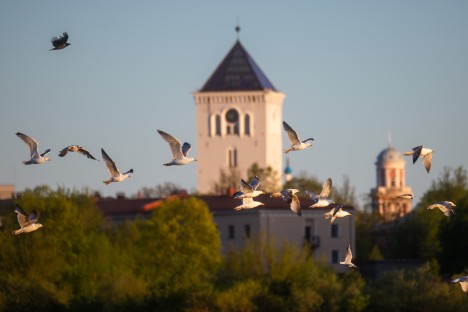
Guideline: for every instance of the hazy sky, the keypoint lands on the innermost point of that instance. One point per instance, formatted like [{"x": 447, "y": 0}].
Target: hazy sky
[{"x": 351, "y": 70}]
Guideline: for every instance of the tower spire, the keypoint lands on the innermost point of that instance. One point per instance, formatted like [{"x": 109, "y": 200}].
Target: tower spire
[
  {"x": 389, "y": 138},
  {"x": 238, "y": 29}
]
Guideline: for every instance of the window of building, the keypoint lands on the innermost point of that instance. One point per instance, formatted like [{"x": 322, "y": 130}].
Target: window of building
[
  {"x": 218, "y": 125},
  {"x": 231, "y": 232},
  {"x": 335, "y": 256},
  {"x": 232, "y": 157},
  {"x": 335, "y": 230},
  {"x": 232, "y": 122},
  {"x": 247, "y": 124},
  {"x": 247, "y": 230},
  {"x": 307, "y": 233}
]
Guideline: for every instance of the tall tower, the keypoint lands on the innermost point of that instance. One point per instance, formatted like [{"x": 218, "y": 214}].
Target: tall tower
[
  {"x": 390, "y": 169},
  {"x": 239, "y": 116}
]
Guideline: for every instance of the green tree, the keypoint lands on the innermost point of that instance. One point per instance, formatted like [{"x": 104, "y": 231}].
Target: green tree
[
  {"x": 179, "y": 252},
  {"x": 415, "y": 290}
]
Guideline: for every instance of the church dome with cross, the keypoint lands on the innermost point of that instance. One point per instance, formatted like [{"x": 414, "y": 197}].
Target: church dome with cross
[{"x": 391, "y": 183}]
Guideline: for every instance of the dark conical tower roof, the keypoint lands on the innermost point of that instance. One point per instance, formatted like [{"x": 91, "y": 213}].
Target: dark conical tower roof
[{"x": 237, "y": 72}]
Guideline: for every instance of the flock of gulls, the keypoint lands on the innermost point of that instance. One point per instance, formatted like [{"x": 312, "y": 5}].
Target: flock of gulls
[{"x": 248, "y": 191}]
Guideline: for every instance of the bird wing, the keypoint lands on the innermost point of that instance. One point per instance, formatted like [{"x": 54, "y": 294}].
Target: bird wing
[
  {"x": 245, "y": 187},
  {"x": 427, "y": 160},
  {"x": 23, "y": 218},
  {"x": 174, "y": 144},
  {"x": 64, "y": 38},
  {"x": 33, "y": 146},
  {"x": 326, "y": 188},
  {"x": 312, "y": 195},
  {"x": 296, "y": 205},
  {"x": 47, "y": 151},
  {"x": 82, "y": 151},
  {"x": 292, "y": 135},
  {"x": 110, "y": 164},
  {"x": 64, "y": 151},
  {"x": 254, "y": 183},
  {"x": 33, "y": 216},
  {"x": 186, "y": 148},
  {"x": 247, "y": 200},
  {"x": 416, "y": 153},
  {"x": 349, "y": 255}
]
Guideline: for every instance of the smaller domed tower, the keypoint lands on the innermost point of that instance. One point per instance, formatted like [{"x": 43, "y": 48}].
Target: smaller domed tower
[{"x": 390, "y": 169}]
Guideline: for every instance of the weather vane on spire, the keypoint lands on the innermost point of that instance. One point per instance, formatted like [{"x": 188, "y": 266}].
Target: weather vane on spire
[
  {"x": 389, "y": 138},
  {"x": 237, "y": 28}
]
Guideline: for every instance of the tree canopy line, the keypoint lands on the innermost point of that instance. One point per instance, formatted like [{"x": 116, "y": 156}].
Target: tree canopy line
[{"x": 173, "y": 260}]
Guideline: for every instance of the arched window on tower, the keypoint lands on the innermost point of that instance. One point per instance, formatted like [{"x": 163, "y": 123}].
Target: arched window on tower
[
  {"x": 218, "y": 125},
  {"x": 232, "y": 157},
  {"x": 247, "y": 124},
  {"x": 232, "y": 122},
  {"x": 392, "y": 177}
]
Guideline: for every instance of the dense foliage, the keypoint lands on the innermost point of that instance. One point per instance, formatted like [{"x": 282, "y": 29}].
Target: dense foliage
[{"x": 173, "y": 261}]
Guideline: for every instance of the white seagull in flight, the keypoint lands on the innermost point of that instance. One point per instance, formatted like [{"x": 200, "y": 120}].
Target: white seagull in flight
[
  {"x": 28, "y": 223},
  {"x": 336, "y": 212},
  {"x": 296, "y": 144},
  {"x": 289, "y": 196},
  {"x": 321, "y": 200},
  {"x": 248, "y": 189},
  {"x": 445, "y": 207},
  {"x": 463, "y": 280},
  {"x": 116, "y": 176},
  {"x": 348, "y": 259},
  {"x": 425, "y": 153},
  {"x": 36, "y": 158},
  {"x": 248, "y": 203},
  {"x": 179, "y": 151}
]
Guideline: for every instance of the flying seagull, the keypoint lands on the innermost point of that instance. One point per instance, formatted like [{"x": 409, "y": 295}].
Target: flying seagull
[
  {"x": 336, "y": 212},
  {"x": 28, "y": 223},
  {"x": 36, "y": 158},
  {"x": 445, "y": 207},
  {"x": 296, "y": 144},
  {"x": 348, "y": 259},
  {"x": 463, "y": 280},
  {"x": 60, "y": 43},
  {"x": 76, "y": 148},
  {"x": 248, "y": 203},
  {"x": 406, "y": 196},
  {"x": 179, "y": 152},
  {"x": 321, "y": 200},
  {"x": 248, "y": 189},
  {"x": 289, "y": 196},
  {"x": 425, "y": 153},
  {"x": 116, "y": 176}
]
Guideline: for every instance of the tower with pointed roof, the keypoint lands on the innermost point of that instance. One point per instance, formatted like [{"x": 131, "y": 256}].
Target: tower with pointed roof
[
  {"x": 390, "y": 169},
  {"x": 239, "y": 116}
]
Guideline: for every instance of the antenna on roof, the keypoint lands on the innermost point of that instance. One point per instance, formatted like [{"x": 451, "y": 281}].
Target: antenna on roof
[{"x": 237, "y": 28}]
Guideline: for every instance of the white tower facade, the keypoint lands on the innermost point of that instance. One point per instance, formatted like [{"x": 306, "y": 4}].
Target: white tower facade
[
  {"x": 391, "y": 182},
  {"x": 239, "y": 118}
]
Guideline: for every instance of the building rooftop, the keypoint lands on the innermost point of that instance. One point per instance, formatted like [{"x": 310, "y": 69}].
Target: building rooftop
[
  {"x": 389, "y": 154},
  {"x": 237, "y": 72}
]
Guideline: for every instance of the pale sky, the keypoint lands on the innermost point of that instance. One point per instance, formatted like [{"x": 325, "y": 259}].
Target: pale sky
[{"x": 351, "y": 70}]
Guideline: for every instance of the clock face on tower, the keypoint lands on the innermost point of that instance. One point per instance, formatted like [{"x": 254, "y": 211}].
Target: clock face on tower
[{"x": 232, "y": 115}]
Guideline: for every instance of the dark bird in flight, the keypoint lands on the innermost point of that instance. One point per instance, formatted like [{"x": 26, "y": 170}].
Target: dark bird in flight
[
  {"x": 60, "y": 43},
  {"x": 78, "y": 149}
]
